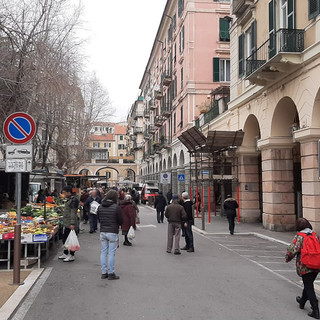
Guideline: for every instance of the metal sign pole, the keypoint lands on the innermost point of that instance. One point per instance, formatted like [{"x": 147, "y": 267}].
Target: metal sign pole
[{"x": 17, "y": 234}]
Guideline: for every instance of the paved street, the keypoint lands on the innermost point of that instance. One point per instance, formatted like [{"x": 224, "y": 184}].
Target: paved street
[{"x": 226, "y": 278}]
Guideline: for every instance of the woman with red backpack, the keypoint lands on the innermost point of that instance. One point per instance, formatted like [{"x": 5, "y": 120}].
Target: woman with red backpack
[{"x": 306, "y": 247}]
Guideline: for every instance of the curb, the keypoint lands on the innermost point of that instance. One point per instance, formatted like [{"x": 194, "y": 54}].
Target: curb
[{"x": 15, "y": 299}]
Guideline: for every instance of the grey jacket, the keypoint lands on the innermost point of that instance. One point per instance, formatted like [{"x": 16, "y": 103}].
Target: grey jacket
[{"x": 175, "y": 213}]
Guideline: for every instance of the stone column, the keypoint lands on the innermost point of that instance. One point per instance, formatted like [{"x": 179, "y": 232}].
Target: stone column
[
  {"x": 174, "y": 179},
  {"x": 278, "y": 188},
  {"x": 248, "y": 175},
  {"x": 310, "y": 182}
]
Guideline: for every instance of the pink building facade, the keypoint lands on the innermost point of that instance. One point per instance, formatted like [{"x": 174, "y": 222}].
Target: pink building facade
[{"x": 189, "y": 59}]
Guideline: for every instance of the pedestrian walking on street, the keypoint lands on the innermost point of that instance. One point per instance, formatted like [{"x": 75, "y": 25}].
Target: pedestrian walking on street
[
  {"x": 91, "y": 206},
  {"x": 129, "y": 218},
  {"x": 189, "y": 209},
  {"x": 230, "y": 205},
  {"x": 175, "y": 214},
  {"x": 169, "y": 196},
  {"x": 160, "y": 205},
  {"x": 309, "y": 275},
  {"x": 70, "y": 220},
  {"x": 110, "y": 218}
]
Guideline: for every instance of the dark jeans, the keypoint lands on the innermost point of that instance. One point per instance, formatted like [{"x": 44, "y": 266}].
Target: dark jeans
[
  {"x": 93, "y": 220},
  {"x": 189, "y": 235},
  {"x": 308, "y": 290},
  {"x": 66, "y": 232},
  {"x": 231, "y": 224},
  {"x": 160, "y": 215}
]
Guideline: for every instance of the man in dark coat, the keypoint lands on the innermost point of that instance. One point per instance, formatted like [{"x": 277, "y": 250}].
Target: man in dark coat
[
  {"x": 160, "y": 205},
  {"x": 230, "y": 205},
  {"x": 189, "y": 209},
  {"x": 84, "y": 196},
  {"x": 175, "y": 215},
  {"x": 129, "y": 218},
  {"x": 110, "y": 217},
  {"x": 91, "y": 206}
]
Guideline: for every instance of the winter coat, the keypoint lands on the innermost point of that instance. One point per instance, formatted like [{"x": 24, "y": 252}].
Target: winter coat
[
  {"x": 160, "y": 203},
  {"x": 88, "y": 202},
  {"x": 294, "y": 249},
  {"x": 188, "y": 208},
  {"x": 110, "y": 217},
  {"x": 175, "y": 213},
  {"x": 169, "y": 196},
  {"x": 230, "y": 205},
  {"x": 70, "y": 211},
  {"x": 128, "y": 215}
]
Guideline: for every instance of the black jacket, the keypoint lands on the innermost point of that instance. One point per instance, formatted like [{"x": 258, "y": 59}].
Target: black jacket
[
  {"x": 88, "y": 202},
  {"x": 110, "y": 217},
  {"x": 160, "y": 203},
  {"x": 230, "y": 205},
  {"x": 188, "y": 208}
]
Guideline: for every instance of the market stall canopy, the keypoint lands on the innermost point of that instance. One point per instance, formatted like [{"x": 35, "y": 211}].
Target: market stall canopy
[{"x": 194, "y": 140}]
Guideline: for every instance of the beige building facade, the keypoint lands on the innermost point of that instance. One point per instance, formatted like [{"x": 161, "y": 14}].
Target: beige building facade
[{"x": 275, "y": 100}]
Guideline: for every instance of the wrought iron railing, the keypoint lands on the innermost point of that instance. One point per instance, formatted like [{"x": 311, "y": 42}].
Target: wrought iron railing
[{"x": 283, "y": 41}]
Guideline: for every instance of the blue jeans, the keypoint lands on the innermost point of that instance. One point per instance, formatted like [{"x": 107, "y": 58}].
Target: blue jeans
[
  {"x": 109, "y": 245},
  {"x": 93, "y": 220}
]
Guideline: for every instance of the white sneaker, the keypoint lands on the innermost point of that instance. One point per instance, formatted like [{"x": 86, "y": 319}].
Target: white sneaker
[
  {"x": 69, "y": 258},
  {"x": 63, "y": 256}
]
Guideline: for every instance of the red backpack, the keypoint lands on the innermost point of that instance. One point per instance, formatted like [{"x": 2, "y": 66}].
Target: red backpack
[{"x": 310, "y": 251}]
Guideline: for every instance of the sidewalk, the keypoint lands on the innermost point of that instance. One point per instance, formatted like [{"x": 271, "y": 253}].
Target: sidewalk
[{"x": 220, "y": 225}]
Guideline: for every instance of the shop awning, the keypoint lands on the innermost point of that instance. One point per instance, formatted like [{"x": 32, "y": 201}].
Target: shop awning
[{"x": 194, "y": 140}]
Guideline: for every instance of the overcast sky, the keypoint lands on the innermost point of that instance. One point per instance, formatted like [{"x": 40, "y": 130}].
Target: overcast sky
[{"x": 121, "y": 35}]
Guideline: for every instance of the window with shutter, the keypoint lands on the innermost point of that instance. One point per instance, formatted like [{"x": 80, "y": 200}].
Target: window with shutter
[
  {"x": 272, "y": 28},
  {"x": 180, "y": 7},
  {"x": 241, "y": 55},
  {"x": 224, "y": 30},
  {"x": 216, "y": 69},
  {"x": 313, "y": 8}
]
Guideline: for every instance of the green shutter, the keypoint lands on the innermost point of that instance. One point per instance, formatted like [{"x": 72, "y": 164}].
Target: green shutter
[
  {"x": 224, "y": 30},
  {"x": 216, "y": 69},
  {"x": 241, "y": 55},
  {"x": 313, "y": 8},
  {"x": 291, "y": 14},
  {"x": 254, "y": 39},
  {"x": 272, "y": 27}
]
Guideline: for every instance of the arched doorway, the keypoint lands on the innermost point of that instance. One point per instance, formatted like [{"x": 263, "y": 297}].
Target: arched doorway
[
  {"x": 281, "y": 164},
  {"x": 108, "y": 176},
  {"x": 250, "y": 172},
  {"x": 181, "y": 159},
  {"x": 175, "y": 162}
]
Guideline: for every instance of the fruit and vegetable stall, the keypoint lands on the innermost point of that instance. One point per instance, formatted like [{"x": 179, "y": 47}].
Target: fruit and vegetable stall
[{"x": 40, "y": 227}]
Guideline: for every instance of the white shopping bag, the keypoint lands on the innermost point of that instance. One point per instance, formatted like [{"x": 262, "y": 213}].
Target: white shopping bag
[
  {"x": 131, "y": 233},
  {"x": 72, "y": 242}
]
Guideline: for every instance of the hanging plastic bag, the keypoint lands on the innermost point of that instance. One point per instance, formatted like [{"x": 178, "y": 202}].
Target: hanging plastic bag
[
  {"x": 131, "y": 233},
  {"x": 72, "y": 242}
]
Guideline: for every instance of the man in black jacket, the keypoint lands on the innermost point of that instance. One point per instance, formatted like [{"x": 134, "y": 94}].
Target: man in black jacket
[
  {"x": 110, "y": 218},
  {"x": 91, "y": 206},
  {"x": 160, "y": 205},
  {"x": 230, "y": 205},
  {"x": 189, "y": 209}
]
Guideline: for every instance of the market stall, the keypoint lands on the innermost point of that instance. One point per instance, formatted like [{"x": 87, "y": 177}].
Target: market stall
[{"x": 41, "y": 225}]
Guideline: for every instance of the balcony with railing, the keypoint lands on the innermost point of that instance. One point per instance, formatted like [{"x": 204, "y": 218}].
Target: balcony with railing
[
  {"x": 146, "y": 113},
  {"x": 166, "y": 109},
  {"x": 166, "y": 78},
  {"x": 137, "y": 145},
  {"x": 137, "y": 130},
  {"x": 165, "y": 142},
  {"x": 277, "y": 56},
  {"x": 158, "y": 94},
  {"x": 152, "y": 104},
  {"x": 158, "y": 121},
  {"x": 213, "y": 113},
  {"x": 151, "y": 129},
  {"x": 137, "y": 113}
]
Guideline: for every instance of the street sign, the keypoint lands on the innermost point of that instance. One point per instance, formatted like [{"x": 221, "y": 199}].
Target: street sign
[
  {"x": 19, "y": 151},
  {"x": 19, "y": 128},
  {"x": 181, "y": 178},
  {"x": 165, "y": 178},
  {"x": 18, "y": 165}
]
